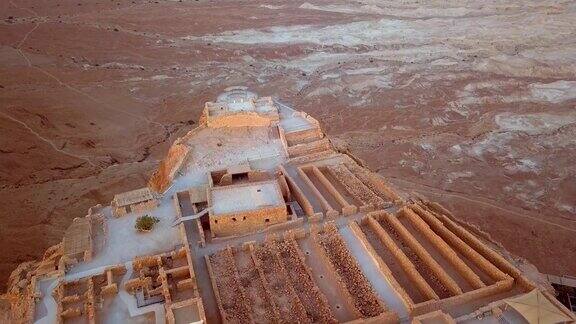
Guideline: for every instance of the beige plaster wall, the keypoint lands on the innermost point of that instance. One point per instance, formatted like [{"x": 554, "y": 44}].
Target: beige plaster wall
[
  {"x": 224, "y": 225},
  {"x": 244, "y": 119}
]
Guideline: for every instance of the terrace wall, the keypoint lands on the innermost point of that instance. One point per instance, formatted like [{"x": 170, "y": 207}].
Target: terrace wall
[{"x": 293, "y": 138}]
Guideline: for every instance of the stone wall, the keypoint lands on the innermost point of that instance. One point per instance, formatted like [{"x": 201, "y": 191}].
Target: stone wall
[
  {"x": 245, "y": 222},
  {"x": 330, "y": 212},
  {"x": 346, "y": 208},
  {"x": 358, "y": 289},
  {"x": 401, "y": 258},
  {"x": 444, "y": 249},
  {"x": 307, "y": 148},
  {"x": 382, "y": 267},
  {"x": 163, "y": 176},
  {"x": 243, "y": 119},
  {"x": 297, "y": 193},
  {"x": 293, "y": 138}
]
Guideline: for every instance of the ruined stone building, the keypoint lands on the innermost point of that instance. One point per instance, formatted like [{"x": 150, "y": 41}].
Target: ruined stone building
[{"x": 263, "y": 220}]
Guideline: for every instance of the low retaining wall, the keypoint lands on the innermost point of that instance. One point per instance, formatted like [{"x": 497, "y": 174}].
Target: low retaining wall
[
  {"x": 455, "y": 301},
  {"x": 307, "y": 148},
  {"x": 293, "y": 138},
  {"x": 214, "y": 286}
]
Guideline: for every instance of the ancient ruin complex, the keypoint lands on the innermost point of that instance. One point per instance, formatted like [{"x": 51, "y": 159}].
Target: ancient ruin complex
[{"x": 262, "y": 220}]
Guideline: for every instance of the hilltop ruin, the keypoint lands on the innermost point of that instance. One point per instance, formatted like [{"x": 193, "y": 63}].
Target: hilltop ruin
[{"x": 262, "y": 220}]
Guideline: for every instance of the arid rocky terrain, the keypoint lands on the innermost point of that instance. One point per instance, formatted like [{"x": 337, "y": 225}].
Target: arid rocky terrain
[{"x": 469, "y": 103}]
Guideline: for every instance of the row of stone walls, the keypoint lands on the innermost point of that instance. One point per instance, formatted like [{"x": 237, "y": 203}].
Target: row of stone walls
[
  {"x": 283, "y": 294},
  {"x": 452, "y": 242},
  {"x": 343, "y": 205},
  {"x": 438, "y": 244},
  {"x": 313, "y": 300},
  {"x": 382, "y": 267},
  {"x": 457, "y": 301},
  {"x": 253, "y": 279},
  {"x": 462, "y": 247},
  {"x": 374, "y": 182},
  {"x": 491, "y": 255},
  {"x": 328, "y": 186},
  {"x": 443, "y": 248},
  {"x": 354, "y": 186},
  {"x": 270, "y": 282},
  {"x": 437, "y": 271},
  {"x": 332, "y": 275},
  {"x": 407, "y": 266},
  {"x": 326, "y": 207},
  {"x": 298, "y": 194}
]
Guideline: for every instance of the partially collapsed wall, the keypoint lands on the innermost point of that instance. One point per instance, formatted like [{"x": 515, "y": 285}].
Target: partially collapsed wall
[{"x": 164, "y": 175}]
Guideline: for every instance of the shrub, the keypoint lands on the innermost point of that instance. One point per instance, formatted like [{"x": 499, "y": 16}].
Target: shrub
[{"x": 146, "y": 223}]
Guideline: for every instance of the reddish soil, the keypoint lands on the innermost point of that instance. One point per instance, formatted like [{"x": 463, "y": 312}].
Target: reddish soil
[{"x": 482, "y": 120}]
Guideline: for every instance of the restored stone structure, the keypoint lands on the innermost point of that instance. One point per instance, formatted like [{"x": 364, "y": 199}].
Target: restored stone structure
[
  {"x": 138, "y": 200},
  {"x": 245, "y": 207},
  {"x": 261, "y": 220}
]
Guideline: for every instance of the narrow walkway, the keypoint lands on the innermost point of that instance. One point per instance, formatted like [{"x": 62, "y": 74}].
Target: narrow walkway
[{"x": 50, "y": 305}]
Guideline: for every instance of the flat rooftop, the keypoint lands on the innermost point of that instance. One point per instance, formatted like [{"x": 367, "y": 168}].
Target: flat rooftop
[{"x": 245, "y": 197}]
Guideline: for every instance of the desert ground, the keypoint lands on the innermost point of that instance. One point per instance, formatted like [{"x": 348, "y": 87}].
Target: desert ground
[{"x": 468, "y": 103}]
